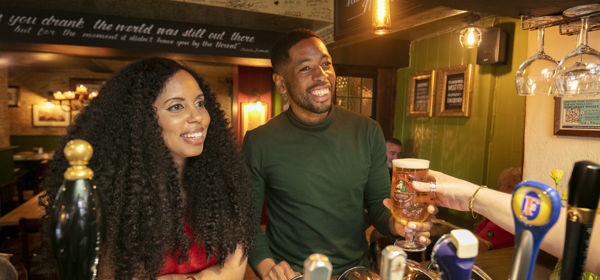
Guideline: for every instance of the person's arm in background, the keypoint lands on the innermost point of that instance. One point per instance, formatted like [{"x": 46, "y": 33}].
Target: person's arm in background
[
  {"x": 233, "y": 268},
  {"x": 260, "y": 257},
  {"x": 495, "y": 205}
]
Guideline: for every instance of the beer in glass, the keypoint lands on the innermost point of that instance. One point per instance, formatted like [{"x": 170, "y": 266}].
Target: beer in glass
[{"x": 407, "y": 203}]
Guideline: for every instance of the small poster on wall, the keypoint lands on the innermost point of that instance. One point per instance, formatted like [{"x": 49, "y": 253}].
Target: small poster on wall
[
  {"x": 13, "y": 96},
  {"x": 577, "y": 116},
  {"x": 454, "y": 91},
  {"x": 420, "y": 94}
]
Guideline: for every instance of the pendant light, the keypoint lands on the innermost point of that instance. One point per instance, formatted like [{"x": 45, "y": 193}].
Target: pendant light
[
  {"x": 470, "y": 36},
  {"x": 381, "y": 17}
]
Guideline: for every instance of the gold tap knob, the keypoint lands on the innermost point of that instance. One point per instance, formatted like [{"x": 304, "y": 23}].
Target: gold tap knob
[{"x": 78, "y": 152}]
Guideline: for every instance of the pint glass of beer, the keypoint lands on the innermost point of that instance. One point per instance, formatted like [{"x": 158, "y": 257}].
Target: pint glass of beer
[{"x": 408, "y": 204}]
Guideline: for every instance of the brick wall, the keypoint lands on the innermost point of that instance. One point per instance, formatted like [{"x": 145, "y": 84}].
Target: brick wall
[{"x": 35, "y": 86}]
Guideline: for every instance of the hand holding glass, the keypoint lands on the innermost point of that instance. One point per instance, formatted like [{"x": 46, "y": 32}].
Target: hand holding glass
[{"x": 409, "y": 205}]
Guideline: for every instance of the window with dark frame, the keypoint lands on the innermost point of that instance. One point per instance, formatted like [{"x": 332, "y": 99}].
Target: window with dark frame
[{"x": 356, "y": 94}]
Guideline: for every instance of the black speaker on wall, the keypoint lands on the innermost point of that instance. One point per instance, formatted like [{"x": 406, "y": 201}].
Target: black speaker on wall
[{"x": 492, "y": 49}]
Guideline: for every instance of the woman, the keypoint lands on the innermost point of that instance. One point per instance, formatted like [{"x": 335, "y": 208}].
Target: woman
[
  {"x": 457, "y": 194},
  {"x": 175, "y": 197}
]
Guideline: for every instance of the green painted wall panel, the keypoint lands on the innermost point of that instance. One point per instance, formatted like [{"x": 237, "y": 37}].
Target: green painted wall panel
[
  {"x": 475, "y": 148},
  {"x": 509, "y": 109}
]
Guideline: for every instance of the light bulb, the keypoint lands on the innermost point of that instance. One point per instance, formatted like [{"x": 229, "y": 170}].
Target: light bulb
[
  {"x": 470, "y": 37},
  {"x": 381, "y": 17}
]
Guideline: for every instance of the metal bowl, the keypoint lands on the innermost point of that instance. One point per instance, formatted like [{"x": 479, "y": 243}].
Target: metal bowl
[
  {"x": 479, "y": 274},
  {"x": 414, "y": 271},
  {"x": 359, "y": 273}
]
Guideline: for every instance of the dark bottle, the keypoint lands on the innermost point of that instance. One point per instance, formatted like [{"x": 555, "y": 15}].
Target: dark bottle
[{"x": 75, "y": 217}]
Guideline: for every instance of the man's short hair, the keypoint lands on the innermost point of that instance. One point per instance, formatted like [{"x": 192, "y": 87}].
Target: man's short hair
[
  {"x": 394, "y": 141},
  {"x": 280, "y": 54}
]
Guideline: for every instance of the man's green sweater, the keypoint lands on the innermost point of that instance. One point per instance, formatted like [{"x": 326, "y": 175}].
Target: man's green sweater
[{"x": 317, "y": 180}]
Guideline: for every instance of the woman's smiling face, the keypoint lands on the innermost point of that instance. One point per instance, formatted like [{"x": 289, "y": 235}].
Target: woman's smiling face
[{"x": 182, "y": 116}]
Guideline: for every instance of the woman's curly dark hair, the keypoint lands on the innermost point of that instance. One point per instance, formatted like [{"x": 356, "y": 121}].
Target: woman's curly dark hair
[{"x": 143, "y": 205}]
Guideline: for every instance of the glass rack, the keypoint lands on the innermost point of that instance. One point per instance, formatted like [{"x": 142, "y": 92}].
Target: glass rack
[{"x": 569, "y": 21}]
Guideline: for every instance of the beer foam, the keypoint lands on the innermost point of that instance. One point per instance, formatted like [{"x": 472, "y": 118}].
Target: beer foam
[{"x": 411, "y": 163}]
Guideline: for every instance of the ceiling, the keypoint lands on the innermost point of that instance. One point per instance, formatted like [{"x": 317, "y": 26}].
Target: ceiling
[
  {"x": 512, "y": 8},
  {"x": 415, "y": 19},
  {"x": 411, "y": 19}
]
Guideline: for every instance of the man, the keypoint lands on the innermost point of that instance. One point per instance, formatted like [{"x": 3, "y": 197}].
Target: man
[
  {"x": 319, "y": 166},
  {"x": 393, "y": 151}
]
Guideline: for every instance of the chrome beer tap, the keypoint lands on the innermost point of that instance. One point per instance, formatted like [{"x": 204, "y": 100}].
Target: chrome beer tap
[
  {"x": 393, "y": 263},
  {"x": 317, "y": 267}
]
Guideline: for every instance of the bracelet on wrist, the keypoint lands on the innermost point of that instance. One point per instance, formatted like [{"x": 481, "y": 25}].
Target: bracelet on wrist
[{"x": 472, "y": 201}]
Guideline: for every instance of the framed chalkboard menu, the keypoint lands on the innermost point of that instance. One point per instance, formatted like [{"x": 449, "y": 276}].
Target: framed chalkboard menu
[
  {"x": 420, "y": 94},
  {"x": 577, "y": 116},
  {"x": 454, "y": 91}
]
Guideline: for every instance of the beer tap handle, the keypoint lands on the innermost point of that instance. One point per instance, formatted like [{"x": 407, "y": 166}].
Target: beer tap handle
[
  {"x": 317, "y": 267},
  {"x": 393, "y": 263},
  {"x": 75, "y": 217},
  {"x": 584, "y": 189},
  {"x": 535, "y": 207},
  {"x": 455, "y": 255}
]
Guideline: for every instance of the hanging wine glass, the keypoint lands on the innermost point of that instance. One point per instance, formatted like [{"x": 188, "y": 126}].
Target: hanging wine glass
[
  {"x": 579, "y": 72},
  {"x": 534, "y": 76}
]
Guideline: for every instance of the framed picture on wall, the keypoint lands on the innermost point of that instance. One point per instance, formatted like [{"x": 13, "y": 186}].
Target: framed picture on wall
[
  {"x": 44, "y": 115},
  {"x": 577, "y": 116},
  {"x": 13, "y": 96},
  {"x": 421, "y": 87},
  {"x": 454, "y": 91}
]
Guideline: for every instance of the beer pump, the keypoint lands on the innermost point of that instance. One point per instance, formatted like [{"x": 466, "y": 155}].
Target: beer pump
[
  {"x": 393, "y": 263},
  {"x": 535, "y": 207},
  {"x": 75, "y": 217},
  {"x": 454, "y": 254},
  {"x": 584, "y": 189},
  {"x": 317, "y": 267}
]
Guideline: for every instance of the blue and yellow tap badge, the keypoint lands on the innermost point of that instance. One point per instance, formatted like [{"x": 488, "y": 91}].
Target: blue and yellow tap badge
[{"x": 535, "y": 204}]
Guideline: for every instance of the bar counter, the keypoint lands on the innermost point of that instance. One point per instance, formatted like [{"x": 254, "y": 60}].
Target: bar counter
[{"x": 496, "y": 263}]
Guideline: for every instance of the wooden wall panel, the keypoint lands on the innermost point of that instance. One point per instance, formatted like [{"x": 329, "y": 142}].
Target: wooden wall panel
[{"x": 476, "y": 148}]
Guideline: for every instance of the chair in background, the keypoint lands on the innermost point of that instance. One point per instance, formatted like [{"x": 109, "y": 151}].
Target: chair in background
[
  {"x": 39, "y": 176},
  {"x": 8, "y": 192},
  {"x": 30, "y": 184},
  {"x": 31, "y": 243}
]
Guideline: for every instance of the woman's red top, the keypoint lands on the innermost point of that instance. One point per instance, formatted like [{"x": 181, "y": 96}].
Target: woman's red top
[
  {"x": 195, "y": 263},
  {"x": 491, "y": 232}
]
